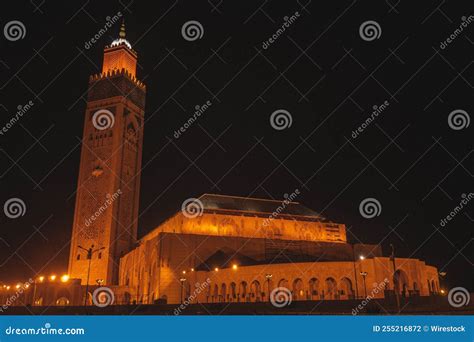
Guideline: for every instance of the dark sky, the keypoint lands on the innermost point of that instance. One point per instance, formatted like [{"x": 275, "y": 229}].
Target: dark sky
[{"x": 320, "y": 70}]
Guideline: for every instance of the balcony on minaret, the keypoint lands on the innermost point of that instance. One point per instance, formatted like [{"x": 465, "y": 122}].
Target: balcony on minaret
[{"x": 119, "y": 56}]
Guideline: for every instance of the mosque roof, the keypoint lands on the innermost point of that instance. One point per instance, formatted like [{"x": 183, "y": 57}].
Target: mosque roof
[{"x": 248, "y": 205}]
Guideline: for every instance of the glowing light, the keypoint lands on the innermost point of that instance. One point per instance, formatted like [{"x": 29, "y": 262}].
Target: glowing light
[
  {"x": 234, "y": 266},
  {"x": 120, "y": 41},
  {"x": 184, "y": 272},
  {"x": 362, "y": 257},
  {"x": 27, "y": 286},
  {"x": 192, "y": 269},
  {"x": 53, "y": 277},
  {"x": 442, "y": 291},
  {"x": 8, "y": 287},
  {"x": 17, "y": 286},
  {"x": 65, "y": 278},
  {"x": 216, "y": 269}
]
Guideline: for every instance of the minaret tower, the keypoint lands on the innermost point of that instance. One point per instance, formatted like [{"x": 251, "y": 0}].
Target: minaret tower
[{"x": 106, "y": 212}]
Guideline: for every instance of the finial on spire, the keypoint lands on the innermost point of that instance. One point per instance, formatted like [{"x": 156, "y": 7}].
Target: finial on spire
[{"x": 122, "y": 29}]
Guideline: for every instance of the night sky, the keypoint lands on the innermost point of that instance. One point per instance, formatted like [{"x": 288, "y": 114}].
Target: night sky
[{"x": 319, "y": 70}]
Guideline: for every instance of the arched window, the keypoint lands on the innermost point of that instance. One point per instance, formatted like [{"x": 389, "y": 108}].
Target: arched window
[
  {"x": 62, "y": 301},
  {"x": 313, "y": 288},
  {"x": 298, "y": 291},
  {"x": 223, "y": 292},
  {"x": 255, "y": 291},
  {"x": 331, "y": 289},
  {"x": 346, "y": 288},
  {"x": 233, "y": 296},
  {"x": 243, "y": 291}
]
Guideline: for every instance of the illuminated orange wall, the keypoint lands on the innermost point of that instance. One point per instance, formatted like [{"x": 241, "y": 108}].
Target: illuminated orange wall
[{"x": 117, "y": 58}]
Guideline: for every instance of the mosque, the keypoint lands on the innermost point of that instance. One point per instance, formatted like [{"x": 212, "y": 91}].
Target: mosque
[{"x": 216, "y": 248}]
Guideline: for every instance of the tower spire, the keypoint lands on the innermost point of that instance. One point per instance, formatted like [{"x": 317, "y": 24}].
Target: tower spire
[{"x": 122, "y": 30}]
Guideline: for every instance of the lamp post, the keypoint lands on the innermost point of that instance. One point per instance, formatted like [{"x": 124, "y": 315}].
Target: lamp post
[
  {"x": 182, "y": 280},
  {"x": 34, "y": 288},
  {"x": 355, "y": 274},
  {"x": 90, "y": 253},
  {"x": 395, "y": 283},
  {"x": 364, "y": 274},
  {"x": 268, "y": 276}
]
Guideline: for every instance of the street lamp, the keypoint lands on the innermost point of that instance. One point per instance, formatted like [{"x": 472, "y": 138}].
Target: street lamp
[
  {"x": 182, "y": 280},
  {"x": 90, "y": 253},
  {"x": 364, "y": 274},
  {"x": 395, "y": 283},
  {"x": 268, "y": 276}
]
